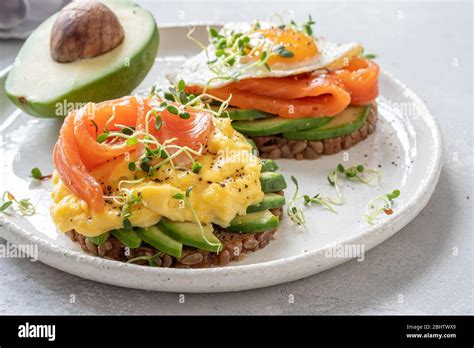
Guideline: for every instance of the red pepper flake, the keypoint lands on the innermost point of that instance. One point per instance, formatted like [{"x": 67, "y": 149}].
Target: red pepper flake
[{"x": 388, "y": 211}]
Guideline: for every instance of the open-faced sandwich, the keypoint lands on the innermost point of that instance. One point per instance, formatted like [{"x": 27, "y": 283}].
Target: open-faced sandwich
[
  {"x": 295, "y": 95},
  {"x": 157, "y": 182}
]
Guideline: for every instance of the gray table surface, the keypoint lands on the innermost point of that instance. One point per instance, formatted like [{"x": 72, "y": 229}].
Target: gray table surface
[{"x": 426, "y": 268}]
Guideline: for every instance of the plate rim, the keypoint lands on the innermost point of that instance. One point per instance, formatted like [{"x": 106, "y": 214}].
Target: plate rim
[{"x": 390, "y": 226}]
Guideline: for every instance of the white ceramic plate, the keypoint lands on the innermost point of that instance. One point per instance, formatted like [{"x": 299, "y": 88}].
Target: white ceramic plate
[{"x": 407, "y": 145}]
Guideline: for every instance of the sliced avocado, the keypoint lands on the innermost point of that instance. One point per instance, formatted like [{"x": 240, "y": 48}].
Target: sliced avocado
[
  {"x": 272, "y": 182},
  {"x": 276, "y": 125},
  {"x": 254, "y": 222},
  {"x": 99, "y": 240},
  {"x": 129, "y": 238},
  {"x": 245, "y": 114},
  {"x": 348, "y": 121},
  {"x": 42, "y": 87},
  {"x": 158, "y": 239},
  {"x": 269, "y": 165},
  {"x": 190, "y": 234},
  {"x": 270, "y": 201},
  {"x": 254, "y": 146}
]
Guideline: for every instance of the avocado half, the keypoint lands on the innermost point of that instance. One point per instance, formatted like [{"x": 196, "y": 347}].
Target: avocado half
[{"x": 43, "y": 87}]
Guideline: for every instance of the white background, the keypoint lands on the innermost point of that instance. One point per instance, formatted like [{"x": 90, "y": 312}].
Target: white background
[{"x": 425, "y": 268}]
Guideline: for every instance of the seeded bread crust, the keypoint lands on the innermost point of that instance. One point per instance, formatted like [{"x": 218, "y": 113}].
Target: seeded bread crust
[
  {"x": 275, "y": 146},
  {"x": 236, "y": 247}
]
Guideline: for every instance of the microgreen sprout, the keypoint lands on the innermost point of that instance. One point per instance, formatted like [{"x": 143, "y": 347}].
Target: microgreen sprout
[
  {"x": 95, "y": 125},
  {"x": 305, "y": 27},
  {"x": 102, "y": 137},
  {"x": 368, "y": 56},
  {"x": 181, "y": 85},
  {"x": 132, "y": 198},
  {"x": 152, "y": 91},
  {"x": 24, "y": 206},
  {"x": 196, "y": 167},
  {"x": 158, "y": 122},
  {"x": 128, "y": 199},
  {"x": 282, "y": 52},
  {"x": 332, "y": 178},
  {"x": 379, "y": 204},
  {"x": 150, "y": 259},
  {"x": 172, "y": 109},
  {"x": 188, "y": 101},
  {"x": 131, "y": 141},
  {"x": 294, "y": 213},
  {"x": 326, "y": 202},
  {"x": 356, "y": 173},
  {"x": 127, "y": 130},
  {"x": 38, "y": 175},
  {"x": 5, "y": 205}
]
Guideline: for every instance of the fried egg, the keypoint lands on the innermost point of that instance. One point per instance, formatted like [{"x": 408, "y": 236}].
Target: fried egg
[{"x": 306, "y": 54}]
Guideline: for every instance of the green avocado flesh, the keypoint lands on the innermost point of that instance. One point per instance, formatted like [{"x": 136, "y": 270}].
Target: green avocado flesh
[
  {"x": 348, "y": 121},
  {"x": 245, "y": 115},
  {"x": 190, "y": 234},
  {"x": 43, "y": 87},
  {"x": 277, "y": 125},
  {"x": 158, "y": 239},
  {"x": 254, "y": 146},
  {"x": 268, "y": 165},
  {"x": 129, "y": 238},
  {"x": 270, "y": 201},
  {"x": 254, "y": 222},
  {"x": 272, "y": 182},
  {"x": 99, "y": 240}
]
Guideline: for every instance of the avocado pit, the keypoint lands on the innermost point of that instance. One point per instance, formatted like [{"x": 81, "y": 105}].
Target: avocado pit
[{"x": 84, "y": 29}]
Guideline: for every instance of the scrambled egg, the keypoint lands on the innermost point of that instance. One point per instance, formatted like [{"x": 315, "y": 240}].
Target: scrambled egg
[{"x": 228, "y": 182}]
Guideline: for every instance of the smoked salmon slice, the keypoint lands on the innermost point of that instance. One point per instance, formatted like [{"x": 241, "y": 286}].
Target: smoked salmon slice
[
  {"x": 304, "y": 95},
  {"x": 94, "y": 119},
  {"x": 72, "y": 170},
  {"x": 288, "y": 97},
  {"x": 361, "y": 80},
  {"x": 191, "y": 132},
  {"x": 82, "y": 162}
]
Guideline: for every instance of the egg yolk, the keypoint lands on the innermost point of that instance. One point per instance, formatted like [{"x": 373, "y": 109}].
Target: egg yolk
[{"x": 299, "y": 44}]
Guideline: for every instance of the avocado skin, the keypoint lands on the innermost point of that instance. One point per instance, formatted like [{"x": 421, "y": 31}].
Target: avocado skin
[
  {"x": 161, "y": 241},
  {"x": 254, "y": 146},
  {"x": 277, "y": 125},
  {"x": 128, "y": 238},
  {"x": 99, "y": 240},
  {"x": 246, "y": 114},
  {"x": 124, "y": 81},
  {"x": 272, "y": 182},
  {"x": 268, "y": 165},
  {"x": 327, "y": 132},
  {"x": 270, "y": 201},
  {"x": 177, "y": 231},
  {"x": 254, "y": 222}
]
